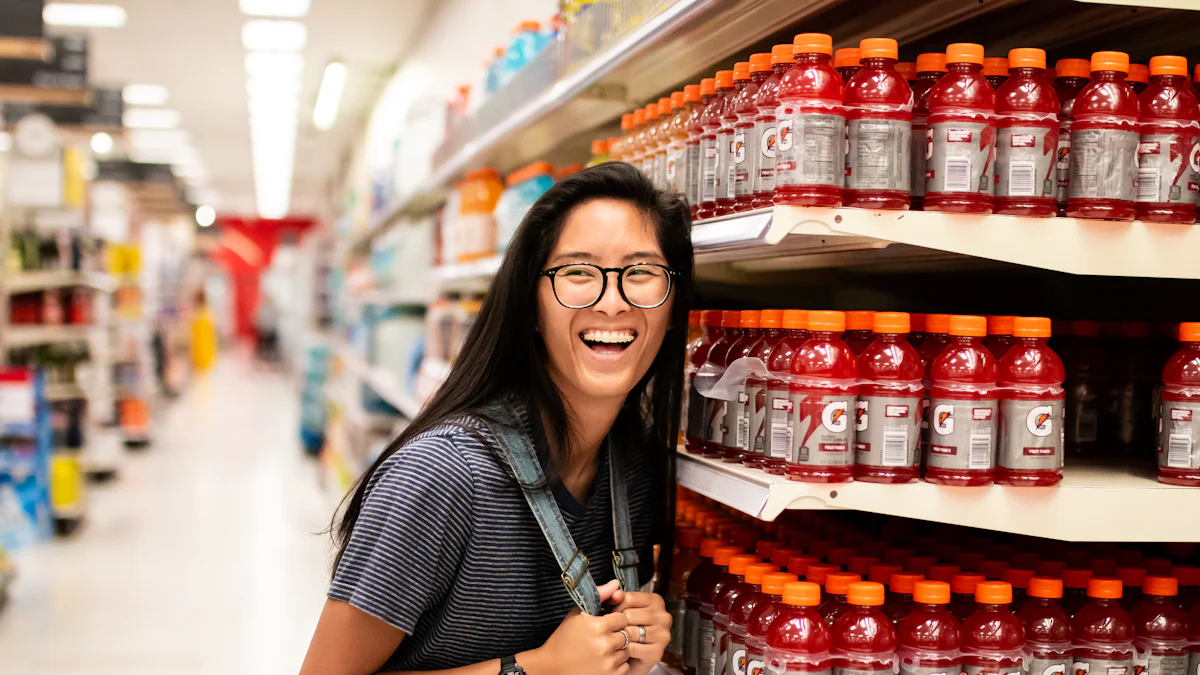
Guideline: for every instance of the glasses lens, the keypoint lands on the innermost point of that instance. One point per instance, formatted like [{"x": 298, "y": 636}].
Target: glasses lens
[
  {"x": 646, "y": 285},
  {"x": 578, "y": 285}
]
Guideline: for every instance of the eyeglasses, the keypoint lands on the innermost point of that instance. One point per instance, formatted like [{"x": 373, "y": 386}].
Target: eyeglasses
[{"x": 581, "y": 285}]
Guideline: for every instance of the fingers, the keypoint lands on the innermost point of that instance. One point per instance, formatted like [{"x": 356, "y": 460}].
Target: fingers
[
  {"x": 648, "y": 653},
  {"x": 622, "y": 669},
  {"x": 617, "y": 640},
  {"x": 648, "y": 617},
  {"x": 607, "y": 590},
  {"x": 634, "y": 599},
  {"x": 614, "y": 622}
]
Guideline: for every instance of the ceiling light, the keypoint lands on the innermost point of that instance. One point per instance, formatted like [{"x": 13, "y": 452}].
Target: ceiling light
[
  {"x": 291, "y": 9},
  {"x": 144, "y": 94},
  {"x": 274, "y": 64},
  {"x": 268, "y": 35},
  {"x": 330, "y": 96},
  {"x": 206, "y": 215},
  {"x": 102, "y": 143},
  {"x": 83, "y": 16},
  {"x": 151, "y": 118},
  {"x": 272, "y": 87}
]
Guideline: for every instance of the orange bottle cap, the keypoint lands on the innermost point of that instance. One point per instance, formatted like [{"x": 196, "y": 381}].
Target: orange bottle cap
[
  {"x": 1141, "y": 73},
  {"x": 782, "y": 54},
  {"x": 652, "y": 111},
  {"x": 797, "y": 319},
  {"x": 964, "y": 52},
  {"x": 739, "y": 563},
  {"x": 1188, "y": 575},
  {"x": 750, "y": 318},
  {"x": 773, "y": 583},
  {"x": 691, "y": 93},
  {"x": 532, "y": 26},
  {"x": 709, "y": 546},
  {"x": 993, "y": 569},
  {"x": 847, "y": 57},
  {"x": 1168, "y": 65},
  {"x": 711, "y": 318},
  {"x": 664, "y": 105},
  {"x": 838, "y": 583},
  {"x": 780, "y": 556},
  {"x": 724, "y": 554},
  {"x": 860, "y": 320},
  {"x": 937, "y": 323},
  {"x": 724, "y": 79},
  {"x": 878, "y": 48},
  {"x": 822, "y": 320},
  {"x": 743, "y": 537},
  {"x": 931, "y": 592},
  {"x": 676, "y": 100},
  {"x": 967, "y": 325},
  {"x": 708, "y": 86},
  {"x": 1196, "y": 76},
  {"x": 799, "y": 564},
  {"x": 600, "y": 147},
  {"x": 1073, "y": 578},
  {"x": 1118, "y": 61},
  {"x": 1073, "y": 68},
  {"x": 1168, "y": 586},
  {"x": 755, "y": 572},
  {"x": 916, "y": 322},
  {"x": 1105, "y": 587},
  {"x": 760, "y": 63},
  {"x": 906, "y": 582},
  {"x": 1000, "y": 325},
  {"x": 690, "y": 537},
  {"x": 626, "y": 121},
  {"x": 993, "y": 592},
  {"x": 741, "y": 70},
  {"x": 639, "y": 117},
  {"x": 964, "y": 583},
  {"x": 498, "y": 51},
  {"x": 731, "y": 318},
  {"x": 907, "y": 68},
  {"x": 883, "y": 572},
  {"x": 1018, "y": 578},
  {"x": 933, "y": 62},
  {"x": 1131, "y": 576},
  {"x": 801, "y": 594},
  {"x": 771, "y": 318},
  {"x": 818, "y": 573},
  {"x": 1045, "y": 587},
  {"x": 813, "y": 43},
  {"x": 942, "y": 571},
  {"x": 865, "y": 594},
  {"x": 894, "y": 323},
  {"x": 1025, "y": 57},
  {"x": 995, "y": 65},
  {"x": 694, "y": 315},
  {"x": 1189, "y": 331},
  {"x": 1031, "y": 327}
]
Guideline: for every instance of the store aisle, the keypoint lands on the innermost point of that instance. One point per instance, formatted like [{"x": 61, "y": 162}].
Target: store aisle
[{"x": 200, "y": 559}]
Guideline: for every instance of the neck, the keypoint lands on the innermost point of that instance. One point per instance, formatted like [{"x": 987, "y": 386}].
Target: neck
[{"x": 589, "y": 420}]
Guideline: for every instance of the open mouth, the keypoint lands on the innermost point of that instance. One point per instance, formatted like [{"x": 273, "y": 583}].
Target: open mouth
[{"x": 608, "y": 341}]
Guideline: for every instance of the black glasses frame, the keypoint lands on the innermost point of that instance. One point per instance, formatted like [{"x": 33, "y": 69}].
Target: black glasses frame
[{"x": 604, "y": 271}]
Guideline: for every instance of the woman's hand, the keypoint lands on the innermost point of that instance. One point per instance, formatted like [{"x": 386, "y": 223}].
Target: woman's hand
[
  {"x": 584, "y": 645},
  {"x": 649, "y": 610}
]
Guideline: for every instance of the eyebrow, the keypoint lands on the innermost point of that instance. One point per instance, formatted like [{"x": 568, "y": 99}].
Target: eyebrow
[{"x": 580, "y": 255}]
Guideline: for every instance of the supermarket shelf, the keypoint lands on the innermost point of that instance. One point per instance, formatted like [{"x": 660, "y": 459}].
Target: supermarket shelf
[
  {"x": 40, "y": 280},
  {"x": 389, "y": 298},
  {"x": 473, "y": 276},
  {"x": 1093, "y": 503},
  {"x": 64, "y": 392},
  {"x": 383, "y": 383},
  {"x": 24, "y": 336}
]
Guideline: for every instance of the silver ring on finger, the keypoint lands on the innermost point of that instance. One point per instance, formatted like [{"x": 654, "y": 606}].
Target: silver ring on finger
[
  {"x": 626, "y": 636},
  {"x": 641, "y": 635}
]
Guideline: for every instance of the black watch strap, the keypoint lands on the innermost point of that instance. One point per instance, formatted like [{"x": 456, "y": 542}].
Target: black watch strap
[{"x": 508, "y": 666}]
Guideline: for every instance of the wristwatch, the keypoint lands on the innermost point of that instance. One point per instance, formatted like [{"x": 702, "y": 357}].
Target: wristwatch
[{"x": 508, "y": 666}]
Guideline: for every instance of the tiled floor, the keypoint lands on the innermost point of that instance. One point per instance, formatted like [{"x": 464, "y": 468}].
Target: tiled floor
[{"x": 202, "y": 558}]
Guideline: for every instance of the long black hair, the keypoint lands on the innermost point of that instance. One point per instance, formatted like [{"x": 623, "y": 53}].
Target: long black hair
[{"x": 503, "y": 355}]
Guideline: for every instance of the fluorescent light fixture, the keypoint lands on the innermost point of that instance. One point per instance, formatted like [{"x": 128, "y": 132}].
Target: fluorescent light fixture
[
  {"x": 272, "y": 35},
  {"x": 273, "y": 87},
  {"x": 144, "y": 94},
  {"x": 274, "y": 64},
  {"x": 330, "y": 96},
  {"x": 206, "y": 216},
  {"x": 291, "y": 9},
  {"x": 151, "y": 118},
  {"x": 83, "y": 16},
  {"x": 102, "y": 143}
]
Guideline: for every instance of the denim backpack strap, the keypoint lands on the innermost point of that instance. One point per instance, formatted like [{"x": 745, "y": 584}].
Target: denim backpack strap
[{"x": 625, "y": 557}]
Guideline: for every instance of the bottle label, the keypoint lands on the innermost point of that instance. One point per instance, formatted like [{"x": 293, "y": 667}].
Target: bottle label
[
  {"x": 725, "y": 165},
  {"x": 743, "y": 184},
  {"x": 962, "y": 434},
  {"x": 1103, "y": 164},
  {"x": 778, "y": 424},
  {"x": 673, "y": 174},
  {"x": 812, "y": 148},
  {"x": 720, "y": 651},
  {"x": 887, "y": 431},
  {"x": 907, "y": 669},
  {"x": 755, "y": 666},
  {"x": 1178, "y": 432},
  {"x": 737, "y": 422},
  {"x": 678, "y": 609},
  {"x": 736, "y": 663},
  {"x": 1031, "y": 434},
  {"x": 758, "y": 418},
  {"x": 991, "y": 670},
  {"x": 1025, "y": 160},
  {"x": 1087, "y": 666},
  {"x": 1164, "y": 167},
  {"x": 1041, "y": 666},
  {"x": 715, "y": 432},
  {"x": 919, "y": 154},
  {"x": 1194, "y": 663},
  {"x": 960, "y": 157},
  {"x": 699, "y": 413},
  {"x": 691, "y": 640},
  {"x": 1062, "y": 163},
  {"x": 1155, "y": 664},
  {"x": 707, "y": 656},
  {"x": 823, "y": 429},
  {"x": 762, "y": 170},
  {"x": 691, "y": 173},
  {"x": 879, "y": 155},
  {"x": 711, "y": 157},
  {"x": 782, "y": 669}
]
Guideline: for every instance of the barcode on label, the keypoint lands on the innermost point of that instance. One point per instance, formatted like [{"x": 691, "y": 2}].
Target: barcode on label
[
  {"x": 895, "y": 448},
  {"x": 709, "y": 192},
  {"x": 980, "y": 456},
  {"x": 743, "y": 431},
  {"x": 958, "y": 174},
  {"x": 1179, "y": 451},
  {"x": 1022, "y": 178},
  {"x": 1147, "y": 184},
  {"x": 781, "y": 440}
]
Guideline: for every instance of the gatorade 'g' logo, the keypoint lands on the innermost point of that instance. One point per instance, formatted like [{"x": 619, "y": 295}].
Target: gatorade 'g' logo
[
  {"x": 943, "y": 418},
  {"x": 1082, "y": 667},
  {"x": 671, "y": 168},
  {"x": 784, "y": 134},
  {"x": 755, "y": 668},
  {"x": 766, "y": 143},
  {"x": 739, "y": 662},
  {"x": 739, "y": 148},
  {"x": 1064, "y": 156},
  {"x": 1194, "y": 158},
  {"x": 860, "y": 417},
  {"x": 929, "y": 143},
  {"x": 1056, "y": 669},
  {"x": 1039, "y": 421},
  {"x": 836, "y": 416}
]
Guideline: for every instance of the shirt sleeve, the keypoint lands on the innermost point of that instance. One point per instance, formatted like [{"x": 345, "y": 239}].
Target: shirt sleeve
[{"x": 411, "y": 534}]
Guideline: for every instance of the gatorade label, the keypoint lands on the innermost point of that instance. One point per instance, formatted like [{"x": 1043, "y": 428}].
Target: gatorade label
[
  {"x": 711, "y": 157},
  {"x": 811, "y": 148},
  {"x": 991, "y": 670},
  {"x": 1041, "y": 666},
  {"x": 1062, "y": 162},
  {"x": 755, "y": 665},
  {"x": 720, "y": 651},
  {"x": 725, "y": 169},
  {"x": 691, "y": 642},
  {"x": 758, "y": 418},
  {"x": 743, "y": 184},
  {"x": 699, "y": 412},
  {"x": 762, "y": 171},
  {"x": 779, "y": 425},
  {"x": 887, "y": 431},
  {"x": 879, "y": 156},
  {"x": 706, "y": 662},
  {"x": 715, "y": 431},
  {"x": 1025, "y": 158},
  {"x": 1164, "y": 167},
  {"x": 691, "y": 172},
  {"x": 1178, "y": 431},
  {"x": 919, "y": 154},
  {"x": 1031, "y": 434},
  {"x": 908, "y": 669},
  {"x": 782, "y": 669},
  {"x": 823, "y": 429},
  {"x": 1154, "y": 664},
  {"x": 673, "y": 174},
  {"x": 678, "y": 609},
  {"x": 1194, "y": 663},
  {"x": 962, "y": 434},
  {"x": 736, "y": 664},
  {"x": 960, "y": 157},
  {"x": 737, "y": 422},
  {"x": 1103, "y": 164},
  {"x": 1087, "y": 666}
]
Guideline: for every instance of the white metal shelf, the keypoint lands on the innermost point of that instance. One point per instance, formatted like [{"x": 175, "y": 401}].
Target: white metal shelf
[
  {"x": 382, "y": 382},
  {"x": 390, "y": 297},
  {"x": 41, "y": 280},
  {"x": 64, "y": 392},
  {"x": 471, "y": 276},
  {"x": 25, "y": 336},
  {"x": 1093, "y": 502}
]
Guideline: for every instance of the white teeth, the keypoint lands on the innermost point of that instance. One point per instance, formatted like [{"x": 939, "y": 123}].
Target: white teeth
[{"x": 609, "y": 336}]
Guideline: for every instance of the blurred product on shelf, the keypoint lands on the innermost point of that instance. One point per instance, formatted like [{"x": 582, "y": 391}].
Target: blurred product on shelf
[
  {"x": 996, "y": 70},
  {"x": 25, "y": 450},
  {"x": 525, "y": 186},
  {"x": 1179, "y": 417},
  {"x": 930, "y": 68},
  {"x": 474, "y": 229}
]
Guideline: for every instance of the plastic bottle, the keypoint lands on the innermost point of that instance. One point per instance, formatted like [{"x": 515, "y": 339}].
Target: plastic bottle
[
  {"x": 963, "y": 403},
  {"x": 734, "y": 586},
  {"x": 745, "y": 155},
  {"x": 727, "y": 161},
  {"x": 993, "y": 569},
  {"x": 528, "y": 42},
  {"x": 840, "y": 556},
  {"x": 1138, "y": 77},
  {"x": 599, "y": 153},
  {"x": 1189, "y": 585},
  {"x": 667, "y": 107},
  {"x": 1103, "y": 632},
  {"x": 765, "y": 141},
  {"x": 771, "y": 323},
  {"x": 837, "y": 586},
  {"x": 962, "y": 593},
  {"x": 908, "y": 69},
  {"x": 930, "y": 68},
  {"x": 1026, "y": 138},
  {"x": 699, "y": 408},
  {"x": 858, "y": 330},
  {"x": 823, "y": 390},
  {"x": 879, "y": 106},
  {"x": 617, "y": 150},
  {"x": 1000, "y": 334},
  {"x": 1047, "y": 628},
  {"x": 888, "y": 414},
  {"x": 1194, "y": 639},
  {"x": 1019, "y": 580},
  {"x": 1104, "y": 143},
  {"x": 810, "y": 160},
  {"x": 1075, "y": 583},
  {"x": 942, "y": 571},
  {"x": 1160, "y": 625},
  {"x": 917, "y": 336},
  {"x": 900, "y": 598},
  {"x": 882, "y": 572},
  {"x": 778, "y": 424},
  {"x": 819, "y": 572},
  {"x": 937, "y": 336},
  {"x": 649, "y": 144},
  {"x": 1170, "y": 138},
  {"x": 635, "y": 151},
  {"x": 996, "y": 70},
  {"x": 1179, "y": 414},
  {"x": 919, "y": 564},
  {"x": 736, "y": 437},
  {"x": 695, "y": 155},
  {"x": 861, "y": 565},
  {"x": 1071, "y": 76},
  {"x": 710, "y": 149},
  {"x": 962, "y": 135},
  {"x": 739, "y": 616},
  {"x": 678, "y": 161},
  {"x": 798, "y": 640},
  {"x": 1087, "y": 380},
  {"x": 993, "y": 639},
  {"x": 685, "y": 561},
  {"x": 480, "y": 191},
  {"x": 928, "y": 634},
  {"x": 847, "y": 61},
  {"x": 718, "y": 354},
  {"x": 864, "y": 639},
  {"x": 708, "y": 583},
  {"x": 1031, "y": 408},
  {"x": 765, "y": 613}
]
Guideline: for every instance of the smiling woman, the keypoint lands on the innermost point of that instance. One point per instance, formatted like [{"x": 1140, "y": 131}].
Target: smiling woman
[{"x": 479, "y": 541}]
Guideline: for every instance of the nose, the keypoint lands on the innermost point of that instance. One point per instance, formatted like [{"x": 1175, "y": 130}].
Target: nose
[{"x": 611, "y": 303}]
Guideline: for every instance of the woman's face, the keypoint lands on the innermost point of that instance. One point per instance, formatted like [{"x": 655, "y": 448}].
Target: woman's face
[{"x": 604, "y": 350}]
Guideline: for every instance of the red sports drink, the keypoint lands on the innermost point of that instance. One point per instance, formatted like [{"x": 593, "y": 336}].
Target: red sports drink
[
  {"x": 765, "y": 140},
  {"x": 703, "y": 575},
  {"x": 811, "y": 158},
  {"x": 1026, "y": 138},
  {"x": 840, "y": 556},
  {"x": 919, "y": 564},
  {"x": 744, "y": 160},
  {"x": 942, "y": 571},
  {"x": 778, "y": 423},
  {"x": 1169, "y": 142},
  {"x": 736, "y": 437},
  {"x": 908, "y": 69},
  {"x": 963, "y": 405},
  {"x": 1179, "y": 415},
  {"x": 681, "y": 159},
  {"x": 847, "y": 62},
  {"x": 764, "y": 614},
  {"x": 1019, "y": 580},
  {"x": 879, "y": 106},
  {"x": 971, "y": 560},
  {"x": 1031, "y": 408},
  {"x": 861, "y": 565},
  {"x": 1194, "y": 638},
  {"x": 928, "y": 635},
  {"x": 858, "y": 330},
  {"x": 882, "y": 572},
  {"x": 837, "y": 586},
  {"x": 709, "y": 585},
  {"x": 798, "y": 640},
  {"x": 1000, "y": 334},
  {"x": 699, "y": 408},
  {"x": 739, "y": 617},
  {"x": 937, "y": 336},
  {"x": 1047, "y": 628},
  {"x": 1131, "y": 585},
  {"x": 710, "y": 149},
  {"x": 1138, "y": 77},
  {"x": 685, "y": 561},
  {"x": 961, "y": 138},
  {"x": 734, "y": 587},
  {"x": 993, "y": 639},
  {"x": 888, "y": 414},
  {"x": 1161, "y": 627},
  {"x": 1104, "y": 143},
  {"x": 901, "y": 589},
  {"x": 725, "y": 133},
  {"x": 695, "y": 155},
  {"x": 636, "y": 150},
  {"x": 930, "y": 68},
  {"x": 917, "y": 336},
  {"x": 864, "y": 640},
  {"x": 996, "y": 70},
  {"x": 1071, "y": 76},
  {"x": 1189, "y": 585},
  {"x": 1075, "y": 583},
  {"x": 962, "y": 593},
  {"x": 817, "y": 573},
  {"x": 824, "y": 388},
  {"x": 771, "y": 323},
  {"x": 993, "y": 569},
  {"x": 1103, "y": 631},
  {"x": 718, "y": 357}
]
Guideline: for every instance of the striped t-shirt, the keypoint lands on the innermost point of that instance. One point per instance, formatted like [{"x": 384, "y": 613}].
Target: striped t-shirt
[{"x": 447, "y": 550}]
